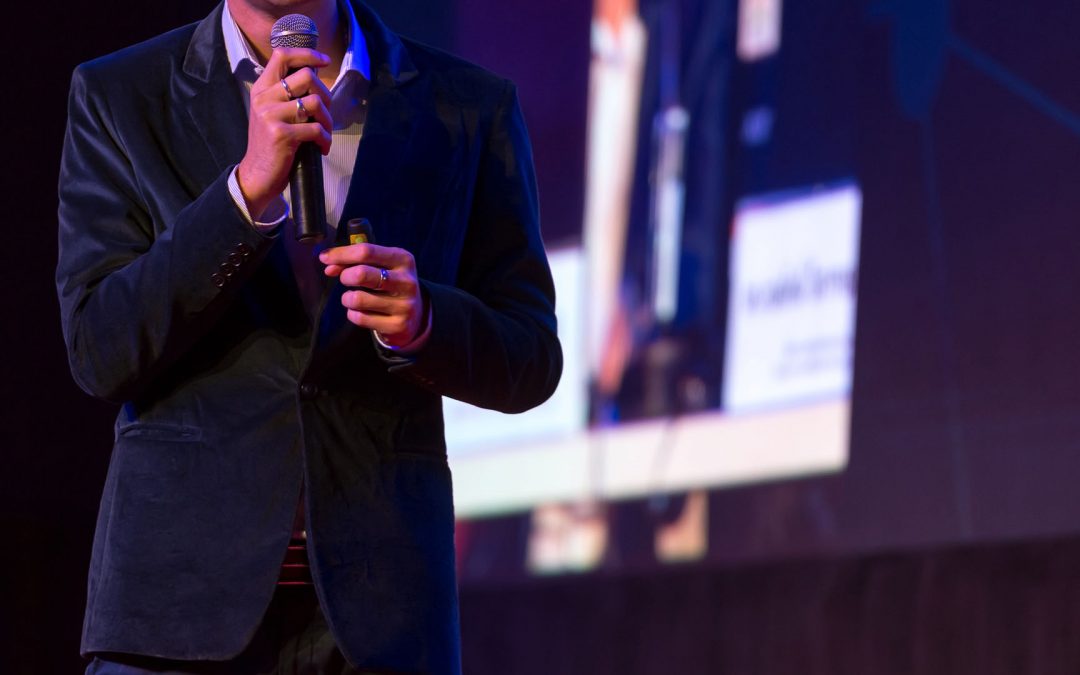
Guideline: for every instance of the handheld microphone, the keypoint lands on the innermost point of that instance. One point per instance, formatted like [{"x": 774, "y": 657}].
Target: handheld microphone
[{"x": 305, "y": 178}]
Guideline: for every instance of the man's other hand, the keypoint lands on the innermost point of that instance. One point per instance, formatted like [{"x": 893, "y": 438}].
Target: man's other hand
[
  {"x": 388, "y": 299},
  {"x": 277, "y": 125}
]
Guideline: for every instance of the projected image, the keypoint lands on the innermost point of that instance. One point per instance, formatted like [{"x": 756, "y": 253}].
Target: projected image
[{"x": 707, "y": 323}]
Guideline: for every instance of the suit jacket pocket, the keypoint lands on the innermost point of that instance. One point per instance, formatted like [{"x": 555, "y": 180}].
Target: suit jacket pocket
[{"x": 159, "y": 431}]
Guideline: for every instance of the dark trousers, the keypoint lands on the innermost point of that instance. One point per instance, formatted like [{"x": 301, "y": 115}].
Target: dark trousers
[{"x": 292, "y": 639}]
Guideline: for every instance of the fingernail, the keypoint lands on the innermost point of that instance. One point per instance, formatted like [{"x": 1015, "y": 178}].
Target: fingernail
[{"x": 324, "y": 256}]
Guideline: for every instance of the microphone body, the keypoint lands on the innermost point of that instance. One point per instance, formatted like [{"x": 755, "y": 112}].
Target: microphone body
[
  {"x": 306, "y": 191},
  {"x": 306, "y": 177}
]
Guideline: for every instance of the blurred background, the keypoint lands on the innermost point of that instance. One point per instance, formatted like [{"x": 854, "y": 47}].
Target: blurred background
[{"x": 816, "y": 266}]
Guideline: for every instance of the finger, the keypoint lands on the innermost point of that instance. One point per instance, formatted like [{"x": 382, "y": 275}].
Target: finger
[
  {"x": 289, "y": 87},
  {"x": 387, "y": 326},
  {"x": 373, "y": 303},
  {"x": 289, "y": 111},
  {"x": 320, "y": 136},
  {"x": 284, "y": 59},
  {"x": 364, "y": 276},
  {"x": 307, "y": 132},
  {"x": 313, "y": 85},
  {"x": 368, "y": 254},
  {"x": 386, "y": 282},
  {"x": 301, "y": 83}
]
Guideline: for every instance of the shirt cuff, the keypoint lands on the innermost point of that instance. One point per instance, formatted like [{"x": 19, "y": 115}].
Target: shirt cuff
[
  {"x": 274, "y": 215},
  {"x": 413, "y": 346}
]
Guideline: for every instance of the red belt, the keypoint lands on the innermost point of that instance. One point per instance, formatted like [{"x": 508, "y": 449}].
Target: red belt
[{"x": 295, "y": 571}]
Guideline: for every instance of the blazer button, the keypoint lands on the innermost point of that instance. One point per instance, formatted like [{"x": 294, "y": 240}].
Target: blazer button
[
  {"x": 227, "y": 269},
  {"x": 242, "y": 248},
  {"x": 218, "y": 279},
  {"x": 235, "y": 259},
  {"x": 308, "y": 390}
]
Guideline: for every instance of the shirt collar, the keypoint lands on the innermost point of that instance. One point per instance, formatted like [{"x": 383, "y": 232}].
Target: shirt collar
[{"x": 245, "y": 63}]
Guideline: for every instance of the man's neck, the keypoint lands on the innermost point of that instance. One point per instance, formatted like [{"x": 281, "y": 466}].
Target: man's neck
[{"x": 255, "y": 18}]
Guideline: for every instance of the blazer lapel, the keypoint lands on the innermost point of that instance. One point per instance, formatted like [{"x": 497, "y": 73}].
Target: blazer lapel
[
  {"x": 211, "y": 109},
  {"x": 212, "y": 97},
  {"x": 388, "y": 129}
]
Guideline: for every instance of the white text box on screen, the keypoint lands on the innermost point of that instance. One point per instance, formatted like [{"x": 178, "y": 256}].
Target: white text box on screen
[{"x": 791, "y": 309}]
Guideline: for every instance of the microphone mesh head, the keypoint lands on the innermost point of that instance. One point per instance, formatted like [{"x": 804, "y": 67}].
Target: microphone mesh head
[{"x": 294, "y": 30}]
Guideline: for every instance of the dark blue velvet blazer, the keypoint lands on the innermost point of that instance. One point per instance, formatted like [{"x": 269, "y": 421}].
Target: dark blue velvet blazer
[{"x": 231, "y": 399}]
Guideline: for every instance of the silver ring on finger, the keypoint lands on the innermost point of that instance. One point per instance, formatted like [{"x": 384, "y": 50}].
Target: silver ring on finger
[
  {"x": 287, "y": 90},
  {"x": 384, "y": 275},
  {"x": 301, "y": 111}
]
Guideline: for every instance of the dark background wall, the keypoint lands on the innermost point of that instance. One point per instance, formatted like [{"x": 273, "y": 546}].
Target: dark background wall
[
  {"x": 947, "y": 547},
  {"x": 54, "y": 438}
]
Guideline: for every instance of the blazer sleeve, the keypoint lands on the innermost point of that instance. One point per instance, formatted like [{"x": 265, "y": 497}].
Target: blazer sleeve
[
  {"x": 493, "y": 340},
  {"x": 134, "y": 293}
]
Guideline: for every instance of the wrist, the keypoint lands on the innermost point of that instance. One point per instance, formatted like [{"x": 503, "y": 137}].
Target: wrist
[{"x": 256, "y": 201}]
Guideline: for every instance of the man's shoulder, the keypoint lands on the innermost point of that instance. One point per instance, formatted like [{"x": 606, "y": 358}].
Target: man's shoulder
[
  {"x": 464, "y": 78},
  {"x": 135, "y": 64}
]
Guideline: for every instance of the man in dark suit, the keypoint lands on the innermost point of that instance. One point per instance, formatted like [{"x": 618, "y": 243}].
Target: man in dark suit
[{"x": 254, "y": 377}]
